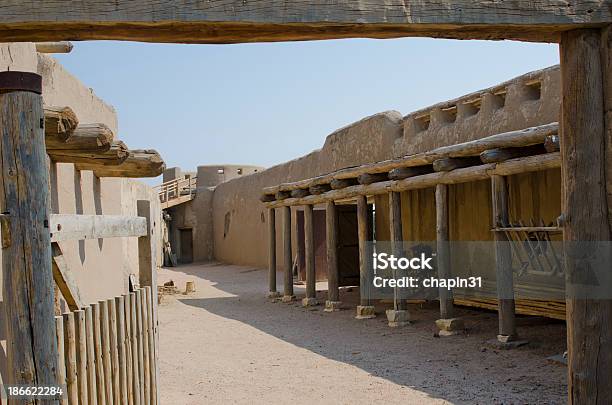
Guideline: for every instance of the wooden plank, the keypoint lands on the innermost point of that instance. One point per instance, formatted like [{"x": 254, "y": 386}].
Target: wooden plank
[
  {"x": 114, "y": 350},
  {"x": 78, "y": 227},
  {"x": 26, "y": 249},
  {"x": 60, "y": 123},
  {"x": 72, "y": 389},
  {"x": 86, "y": 139},
  {"x": 146, "y": 382},
  {"x": 106, "y": 355},
  {"x": 503, "y": 258},
  {"x": 121, "y": 349},
  {"x": 61, "y": 359},
  {"x": 229, "y": 22},
  {"x": 474, "y": 173},
  {"x": 100, "y": 386},
  {"x": 443, "y": 259},
  {"x": 140, "y": 347},
  {"x": 139, "y": 163},
  {"x": 150, "y": 304},
  {"x": 136, "y": 381},
  {"x": 309, "y": 252},
  {"x": 585, "y": 207},
  {"x": 54, "y": 47},
  {"x": 92, "y": 392},
  {"x": 271, "y": 252},
  {"x": 287, "y": 253},
  {"x": 63, "y": 279},
  {"x": 81, "y": 354},
  {"x": 333, "y": 276},
  {"x": 523, "y": 137}
]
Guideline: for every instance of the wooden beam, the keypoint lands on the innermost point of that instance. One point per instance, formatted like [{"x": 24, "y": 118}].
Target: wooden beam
[
  {"x": 585, "y": 208},
  {"x": 368, "y": 178},
  {"x": 272, "y": 292},
  {"x": 299, "y": 193},
  {"x": 92, "y": 160},
  {"x": 397, "y": 239},
  {"x": 364, "y": 258},
  {"x": 319, "y": 189},
  {"x": 87, "y": 138},
  {"x": 337, "y": 184},
  {"x": 523, "y": 137},
  {"x": 404, "y": 172},
  {"x": 209, "y": 22},
  {"x": 309, "y": 253},
  {"x": 474, "y": 173},
  {"x": 54, "y": 47},
  {"x": 139, "y": 163},
  {"x": 503, "y": 154},
  {"x": 503, "y": 259},
  {"x": 287, "y": 255},
  {"x": 28, "y": 292},
  {"x": 63, "y": 278},
  {"x": 448, "y": 164},
  {"x": 443, "y": 259},
  {"x": 78, "y": 227},
  {"x": 331, "y": 228},
  {"x": 60, "y": 122}
]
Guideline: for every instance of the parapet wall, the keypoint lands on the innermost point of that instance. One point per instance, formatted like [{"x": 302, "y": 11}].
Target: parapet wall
[{"x": 239, "y": 218}]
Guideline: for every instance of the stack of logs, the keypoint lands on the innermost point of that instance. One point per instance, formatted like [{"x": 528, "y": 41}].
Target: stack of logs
[
  {"x": 503, "y": 154},
  {"x": 93, "y": 147}
]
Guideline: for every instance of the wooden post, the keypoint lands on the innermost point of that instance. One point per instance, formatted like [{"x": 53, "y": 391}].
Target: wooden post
[
  {"x": 151, "y": 339},
  {"x": 134, "y": 350},
  {"x": 61, "y": 359},
  {"x": 145, "y": 347},
  {"x": 272, "y": 292},
  {"x": 81, "y": 354},
  {"x": 28, "y": 290},
  {"x": 365, "y": 310},
  {"x": 106, "y": 356},
  {"x": 503, "y": 260},
  {"x": 311, "y": 293},
  {"x": 91, "y": 358},
  {"x": 127, "y": 309},
  {"x": 399, "y": 315},
  {"x": 331, "y": 227},
  {"x": 139, "y": 339},
  {"x": 287, "y": 256},
  {"x": 72, "y": 389},
  {"x": 97, "y": 332},
  {"x": 121, "y": 349},
  {"x": 147, "y": 256},
  {"x": 114, "y": 350},
  {"x": 585, "y": 207},
  {"x": 443, "y": 252}
]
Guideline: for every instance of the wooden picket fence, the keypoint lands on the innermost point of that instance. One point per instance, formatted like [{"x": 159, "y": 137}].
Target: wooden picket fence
[{"x": 107, "y": 352}]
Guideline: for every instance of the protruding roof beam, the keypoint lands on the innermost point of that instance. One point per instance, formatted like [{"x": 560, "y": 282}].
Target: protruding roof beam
[
  {"x": 54, "y": 47},
  {"x": 140, "y": 163}
]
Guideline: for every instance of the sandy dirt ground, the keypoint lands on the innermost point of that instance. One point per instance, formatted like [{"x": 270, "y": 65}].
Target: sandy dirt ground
[{"x": 227, "y": 343}]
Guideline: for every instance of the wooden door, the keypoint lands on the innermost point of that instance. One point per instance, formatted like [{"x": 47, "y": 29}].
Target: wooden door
[{"x": 186, "y": 236}]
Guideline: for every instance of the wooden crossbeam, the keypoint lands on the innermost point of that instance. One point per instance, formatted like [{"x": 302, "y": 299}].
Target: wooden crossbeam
[
  {"x": 79, "y": 227},
  {"x": 63, "y": 278},
  {"x": 86, "y": 139},
  {"x": 54, "y": 47},
  {"x": 139, "y": 163},
  {"x": 115, "y": 155},
  {"x": 276, "y": 20},
  {"x": 60, "y": 122}
]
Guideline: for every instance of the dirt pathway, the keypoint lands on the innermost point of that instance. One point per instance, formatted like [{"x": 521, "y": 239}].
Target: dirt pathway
[{"x": 226, "y": 343}]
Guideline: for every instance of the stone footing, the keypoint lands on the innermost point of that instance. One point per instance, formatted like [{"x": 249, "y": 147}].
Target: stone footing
[
  {"x": 332, "y": 306},
  {"x": 450, "y": 327},
  {"x": 288, "y": 298},
  {"x": 513, "y": 343},
  {"x": 365, "y": 312},
  {"x": 398, "y": 318},
  {"x": 309, "y": 302},
  {"x": 274, "y": 294}
]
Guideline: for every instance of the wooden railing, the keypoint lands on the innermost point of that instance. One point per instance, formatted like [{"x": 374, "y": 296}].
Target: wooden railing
[{"x": 176, "y": 191}]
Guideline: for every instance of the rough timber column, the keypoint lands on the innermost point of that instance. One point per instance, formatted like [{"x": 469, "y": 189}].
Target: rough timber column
[
  {"x": 503, "y": 260},
  {"x": 585, "y": 208},
  {"x": 365, "y": 310},
  {"x": 272, "y": 293},
  {"x": 398, "y": 316},
  {"x": 26, "y": 255},
  {"x": 287, "y": 256},
  {"x": 331, "y": 227},
  {"x": 311, "y": 294}
]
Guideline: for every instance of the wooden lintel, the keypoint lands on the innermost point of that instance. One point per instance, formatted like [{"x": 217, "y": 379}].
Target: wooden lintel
[
  {"x": 140, "y": 163},
  {"x": 63, "y": 279},
  {"x": 209, "y": 22},
  {"x": 60, "y": 122},
  {"x": 79, "y": 227}
]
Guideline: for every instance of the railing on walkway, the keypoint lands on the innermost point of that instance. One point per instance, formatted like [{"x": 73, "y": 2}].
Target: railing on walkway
[{"x": 176, "y": 191}]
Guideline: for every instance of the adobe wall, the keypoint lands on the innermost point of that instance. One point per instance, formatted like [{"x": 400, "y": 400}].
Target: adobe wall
[{"x": 239, "y": 219}]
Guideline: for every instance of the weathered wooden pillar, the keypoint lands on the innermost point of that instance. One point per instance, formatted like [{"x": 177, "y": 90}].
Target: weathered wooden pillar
[
  {"x": 287, "y": 256},
  {"x": 272, "y": 292},
  {"x": 447, "y": 324},
  {"x": 399, "y": 315},
  {"x": 331, "y": 227},
  {"x": 26, "y": 255},
  {"x": 365, "y": 310},
  {"x": 585, "y": 209},
  {"x": 311, "y": 293},
  {"x": 503, "y": 261}
]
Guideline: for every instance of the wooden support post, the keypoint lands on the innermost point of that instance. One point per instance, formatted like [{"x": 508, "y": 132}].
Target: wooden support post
[
  {"x": 121, "y": 349},
  {"x": 399, "y": 315},
  {"x": 311, "y": 293},
  {"x": 91, "y": 359},
  {"x": 127, "y": 309},
  {"x": 447, "y": 324},
  {"x": 81, "y": 354},
  {"x": 331, "y": 226},
  {"x": 365, "y": 310},
  {"x": 151, "y": 340},
  {"x": 585, "y": 207},
  {"x": 97, "y": 332},
  {"x": 272, "y": 292},
  {"x": 134, "y": 350},
  {"x": 146, "y": 382},
  {"x": 503, "y": 260},
  {"x": 106, "y": 355},
  {"x": 114, "y": 350},
  {"x": 28, "y": 290},
  {"x": 70, "y": 350},
  {"x": 287, "y": 256},
  {"x": 61, "y": 359}
]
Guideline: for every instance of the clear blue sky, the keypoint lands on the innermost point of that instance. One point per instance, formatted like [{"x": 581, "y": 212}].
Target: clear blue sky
[{"x": 267, "y": 103}]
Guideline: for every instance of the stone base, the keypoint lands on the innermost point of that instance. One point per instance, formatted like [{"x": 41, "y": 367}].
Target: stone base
[
  {"x": 450, "y": 327},
  {"x": 309, "y": 302},
  {"x": 274, "y": 294},
  {"x": 288, "y": 298},
  {"x": 511, "y": 344},
  {"x": 398, "y": 318},
  {"x": 332, "y": 306},
  {"x": 365, "y": 312}
]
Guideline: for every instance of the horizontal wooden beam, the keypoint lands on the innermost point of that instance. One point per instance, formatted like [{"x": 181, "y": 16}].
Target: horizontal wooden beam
[
  {"x": 54, "y": 47},
  {"x": 140, "y": 163},
  {"x": 231, "y": 21},
  {"x": 473, "y": 173},
  {"x": 91, "y": 160},
  {"x": 79, "y": 227},
  {"x": 88, "y": 138},
  {"x": 524, "y": 137},
  {"x": 60, "y": 122}
]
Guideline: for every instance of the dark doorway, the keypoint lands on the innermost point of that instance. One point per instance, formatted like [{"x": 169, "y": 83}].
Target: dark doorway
[{"x": 186, "y": 245}]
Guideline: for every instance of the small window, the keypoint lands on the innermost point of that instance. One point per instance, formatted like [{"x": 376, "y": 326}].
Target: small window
[
  {"x": 220, "y": 171},
  {"x": 534, "y": 90},
  {"x": 239, "y": 171},
  {"x": 422, "y": 122}
]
